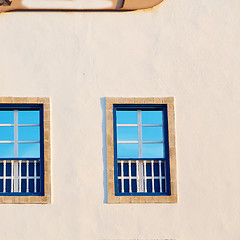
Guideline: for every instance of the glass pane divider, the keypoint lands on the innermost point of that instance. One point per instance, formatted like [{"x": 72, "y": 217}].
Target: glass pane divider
[
  {"x": 6, "y": 142},
  {"x": 127, "y": 141},
  {"x": 28, "y": 125}
]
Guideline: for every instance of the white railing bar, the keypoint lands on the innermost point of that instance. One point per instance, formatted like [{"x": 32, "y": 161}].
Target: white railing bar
[
  {"x": 145, "y": 176},
  {"x": 130, "y": 176},
  {"x": 6, "y": 142},
  {"x": 127, "y": 125},
  {"x": 153, "y": 186},
  {"x": 28, "y": 141},
  {"x": 153, "y": 141},
  {"x": 35, "y": 176},
  {"x": 127, "y": 141},
  {"x": 122, "y": 181},
  {"x": 12, "y": 164},
  {"x": 4, "y": 176},
  {"x": 20, "y": 177},
  {"x": 165, "y": 175},
  {"x": 138, "y": 186},
  {"x": 27, "y": 177},
  {"x": 160, "y": 175},
  {"x": 6, "y": 125}
]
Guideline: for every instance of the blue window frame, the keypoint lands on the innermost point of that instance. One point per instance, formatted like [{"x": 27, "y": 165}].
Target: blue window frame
[
  {"x": 141, "y": 150},
  {"x": 21, "y": 150}
]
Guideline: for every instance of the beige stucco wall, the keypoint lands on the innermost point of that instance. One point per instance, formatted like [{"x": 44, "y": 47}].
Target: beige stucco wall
[{"x": 186, "y": 49}]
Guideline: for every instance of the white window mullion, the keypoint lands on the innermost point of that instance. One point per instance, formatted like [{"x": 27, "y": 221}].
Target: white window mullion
[{"x": 15, "y": 172}]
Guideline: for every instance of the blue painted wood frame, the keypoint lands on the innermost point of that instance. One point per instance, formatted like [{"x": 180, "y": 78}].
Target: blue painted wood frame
[
  {"x": 150, "y": 107},
  {"x": 28, "y": 107}
]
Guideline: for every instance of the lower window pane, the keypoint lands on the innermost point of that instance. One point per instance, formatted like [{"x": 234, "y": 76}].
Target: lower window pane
[
  {"x": 6, "y": 150},
  {"x": 153, "y": 150},
  {"x": 27, "y": 150},
  {"x": 125, "y": 150}
]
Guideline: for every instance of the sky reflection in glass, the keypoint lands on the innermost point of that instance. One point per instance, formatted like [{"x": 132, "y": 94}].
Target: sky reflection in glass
[
  {"x": 6, "y": 133},
  {"x": 126, "y": 117},
  {"x": 6, "y": 150},
  {"x": 28, "y": 134},
  {"x": 153, "y": 150},
  {"x": 6, "y": 117},
  {"x": 152, "y": 133},
  {"x": 152, "y": 117},
  {"x": 30, "y": 150},
  {"x": 127, "y": 133},
  {"x": 127, "y": 150},
  {"x": 28, "y": 117}
]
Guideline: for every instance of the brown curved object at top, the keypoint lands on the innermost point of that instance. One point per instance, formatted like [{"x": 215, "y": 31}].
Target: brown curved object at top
[{"x": 76, "y": 5}]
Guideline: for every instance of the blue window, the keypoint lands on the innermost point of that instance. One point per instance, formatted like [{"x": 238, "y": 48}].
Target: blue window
[
  {"x": 21, "y": 150},
  {"x": 141, "y": 150}
]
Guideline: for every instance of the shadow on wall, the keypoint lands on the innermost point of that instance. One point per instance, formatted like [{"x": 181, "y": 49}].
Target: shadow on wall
[{"x": 104, "y": 147}]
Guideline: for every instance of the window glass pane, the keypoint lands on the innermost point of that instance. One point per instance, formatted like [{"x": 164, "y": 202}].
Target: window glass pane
[
  {"x": 29, "y": 150},
  {"x": 6, "y": 150},
  {"x": 125, "y": 150},
  {"x": 6, "y": 117},
  {"x": 152, "y": 133},
  {"x": 126, "y": 117},
  {"x": 152, "y": 117},
  {"x": 6, "y": 133},
  {"x": 28, "y": 134},
  {"x": 28, "y": 117},
  {"x": 127, "y": 133},
  {"x": 153, "y": 150}
]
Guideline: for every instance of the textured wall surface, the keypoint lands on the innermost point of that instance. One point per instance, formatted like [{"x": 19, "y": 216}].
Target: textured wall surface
[{"x": 186, "y": 49}]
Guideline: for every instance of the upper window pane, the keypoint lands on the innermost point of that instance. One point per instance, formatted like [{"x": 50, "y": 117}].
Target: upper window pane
[
  {"x": 28, "y": 133},
  {"x": 152, "y": 117},
  {"x": 28, "y": 117},
  {"x": 127, "y": 133},
  {"x": 6, "y": 133},
  {"x": 126, "y": 117},
  {"x": 6, "y": 117}
]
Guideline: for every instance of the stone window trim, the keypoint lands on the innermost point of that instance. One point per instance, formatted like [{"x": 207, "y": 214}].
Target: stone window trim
[
  {"x": 46, "y": 199},
  {"x": 112, "y": 198}
]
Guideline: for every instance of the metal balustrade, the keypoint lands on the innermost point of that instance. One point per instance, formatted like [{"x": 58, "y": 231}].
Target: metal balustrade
[
  {"x": 20, "y": 175},
  {"x": 141, "y": 176}
]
